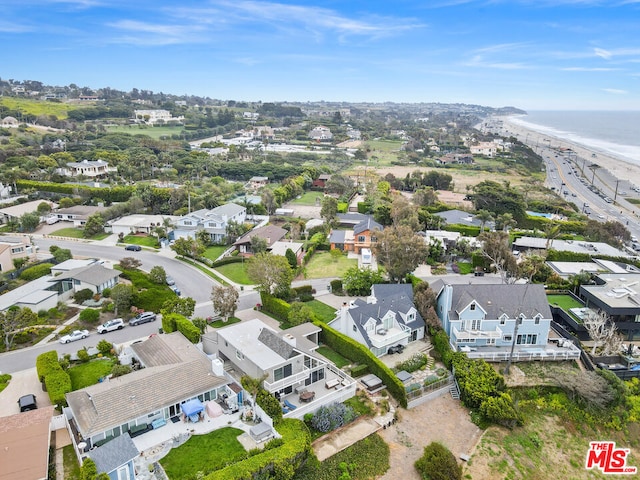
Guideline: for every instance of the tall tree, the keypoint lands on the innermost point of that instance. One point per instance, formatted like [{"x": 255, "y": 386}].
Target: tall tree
[
  {"x": 484, "y": 216},
  {"x": 400, "y": 251},
  {"x": 329, "y": 208},
  {"x": 12, "y": 321},
  {"x": 496, "y": 247},
  {"x": 122, "y": 296},
  {"x": 271, "y": 273},
  {"x": 184, "y": 306},
  {"x": 225, "y": 300}
]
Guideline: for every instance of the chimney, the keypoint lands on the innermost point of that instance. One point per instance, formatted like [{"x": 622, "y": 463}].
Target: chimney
[
  {"x": 217, "y": 366},
  {"x": 344, "y": 318},
  {"x": 290, "y": 339}
]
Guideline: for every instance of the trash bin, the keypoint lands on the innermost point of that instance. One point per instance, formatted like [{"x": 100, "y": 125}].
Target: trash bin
[{"x": 160, "y": 330}]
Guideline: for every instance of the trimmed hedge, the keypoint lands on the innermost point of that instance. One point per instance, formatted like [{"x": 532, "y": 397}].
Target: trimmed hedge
[
  {"x": 336, "y": 286},
  {"x": 359, "y": 370},
  {"x": 47, "y": 363},
  {"x": 224, "y": 261},
  {"x": 109, "y": 195},
  {"x": 36, "y": 271},
  {"x": 275, "y": 306},
  {"x": 466, "y": 230},
  {"x": 188, "y": 329},
  {"x": 58, "y": 385},
  {"x": 440, "y": 342},
  {"x": 169, "y": 322},
  {"x": 358, "y": 353},
  {"x": 271, "y": 463}
]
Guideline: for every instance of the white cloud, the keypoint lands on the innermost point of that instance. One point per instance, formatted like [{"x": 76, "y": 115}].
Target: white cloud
[
  {"x": 142, "y": 33},
  {"x": 615, "y": 91},
  {"x": 602, "y": 53},
  {"x": 589, "y": 69}
]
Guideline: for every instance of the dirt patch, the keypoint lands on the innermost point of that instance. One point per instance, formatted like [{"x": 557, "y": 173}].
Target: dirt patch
[{"x": 442, "y": 420}]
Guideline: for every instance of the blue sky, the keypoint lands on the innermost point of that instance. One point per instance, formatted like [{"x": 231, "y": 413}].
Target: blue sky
[{"x": 532, "y": 54}]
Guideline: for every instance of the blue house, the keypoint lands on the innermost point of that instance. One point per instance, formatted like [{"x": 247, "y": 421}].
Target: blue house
[
  {"x": 116, "y": 457},
  {"x": 486, "y": 320}
]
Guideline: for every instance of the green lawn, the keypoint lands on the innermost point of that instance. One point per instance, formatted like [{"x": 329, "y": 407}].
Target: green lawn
[
  {"x": 465, "y": 268},
  {"x": 335, "y": 357},
  {"x": 308, "y": 198},
  {"x": 325, "y": 312},
  {"x": 38, "y": 107},
  {"x": 204, "y": 453},
  {"x": 142, "y": 240},
  {"x": 564, "y": 301},
  {"x": 213, "y": 252},
  {"x": 236, "y": 272},
  {"x": 4, "y": 381},
  {"x": 220, "y": 323},
  {"x": 203, "y": 269},
  {"x": 87, "y": 374},
  {"x": 77, "y": 233},
  {"x": 71, "y": 465},
  {"x": 323, "y": 265},
  {"x": 153, "y": 132}
]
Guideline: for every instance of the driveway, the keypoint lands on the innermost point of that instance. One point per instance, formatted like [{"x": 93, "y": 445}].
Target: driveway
[{"x": 21, "y": 383}]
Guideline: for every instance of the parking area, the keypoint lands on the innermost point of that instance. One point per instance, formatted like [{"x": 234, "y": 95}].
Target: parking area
[{"x": 22, "y": 383}]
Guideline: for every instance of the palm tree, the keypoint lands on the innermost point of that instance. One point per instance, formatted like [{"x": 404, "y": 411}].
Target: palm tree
[
  {"x": 551, "y": 231},
  {"x": 483, "y": 216}
]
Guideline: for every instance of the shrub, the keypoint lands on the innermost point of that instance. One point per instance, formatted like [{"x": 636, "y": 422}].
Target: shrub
[
  {"x": 330, "y": 417},
  {"x": 83, "y": 355},
  {"x": 106, "y": 292},
  {"x": 37, "y": 271},
  {"x": 82, "y": 295},
  {"x": 108, "y": 307},
  {"x": 169, "y": 322},
  {"x": 269, "y": 404},
  {"x": 89, "y": 315},
  {"x": 188, "y": 329},
  {"x": 119, "y": 370},
  {"x": 336, "y": 286},
  {"x": 438, "y": 463},
  {"x": 58, "y": 384},
  {"x": 275, "y": 306},
  {"x": 47, "y": 363},
  {"x": 416, "y": 362},
  {"x": 104, "y": 347}
]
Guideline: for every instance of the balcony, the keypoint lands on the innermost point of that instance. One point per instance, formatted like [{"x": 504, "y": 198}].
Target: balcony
[
  {"x": 390, "y": 337},
  {"x": 287, "y": 381},
  {"x": 472, "y": 335}
]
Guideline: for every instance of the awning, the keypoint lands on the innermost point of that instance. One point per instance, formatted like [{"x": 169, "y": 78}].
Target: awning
[{"x": 192, "y": 407}]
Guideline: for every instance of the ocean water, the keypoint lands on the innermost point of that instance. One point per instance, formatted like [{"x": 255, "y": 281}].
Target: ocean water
[{"x": 616, "y": 133}]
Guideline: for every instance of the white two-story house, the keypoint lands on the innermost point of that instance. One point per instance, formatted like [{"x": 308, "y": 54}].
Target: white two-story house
[
  {"x": 387, "y": 318},
  {"x": 214, "y": 222}
]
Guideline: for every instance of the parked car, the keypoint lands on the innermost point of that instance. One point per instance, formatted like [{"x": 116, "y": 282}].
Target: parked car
[
  {"x": 75, "y": 335},
  {"x": 396, "y": 349},
  {"x": 133, "y": 248},
  {"x": 27, "y": 402},
  {"x": 141, "y": 318},
  {"x": 170, "y": 280},
  {"x": 175, "y": 290},
  {"x": 111, "y": 325}
]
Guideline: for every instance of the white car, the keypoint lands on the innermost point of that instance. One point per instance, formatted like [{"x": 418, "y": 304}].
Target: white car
[
  {"x": 75, "y": 335},
  {"x": 111, "y": 325}
]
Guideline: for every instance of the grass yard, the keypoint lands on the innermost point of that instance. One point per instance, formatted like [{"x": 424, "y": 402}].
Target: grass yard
[
  {"x": 236, "y": 272},
  {"x": 323, "y": 265},
  {"x": 465, "y": 268},
  {"x": 142, "y": 240},
  {"x": 221, "y": 323},
  {"x": 70, "y": 463},
  {"x": 204, "y": 453},
  {"x": 38, "y": 107},
  {"x": 153, "y": 132},
  {"x": 214, "y": 251},
  {"x": 334, "y": 356},
  {"x": 308, "y": 198},
  {"x": 87, "y": 374},
  {"x": 325, "y": 312},
  {"x": 564, "y": 301},
  {"x": 5, "y": 378},
  {"x": 77, "y": 233},
  {"x": 203, "y": 269}
]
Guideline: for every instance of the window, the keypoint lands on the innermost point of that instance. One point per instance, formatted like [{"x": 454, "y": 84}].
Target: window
[
  {"x": 361, "y": 238},
  {"x": 239, "y": 355},
  {"x": 491, "y": 341},
  {"x": 188, "y": 222},
  {"x": 503, "y": 320},
  {"x": 527, "y": 339},
  {"x": 507, "y": 338},
  {"x": 355, "y": 329},
  {"x": 282, "y": 372},
  {"x": 537, "y": 320},
  {"x": 475, "y": 324},
  {"x": 472, "y": 307}
]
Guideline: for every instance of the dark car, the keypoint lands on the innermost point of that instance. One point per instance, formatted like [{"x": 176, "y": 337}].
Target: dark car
[
  {"x": 133, "y": 248},
  {"x": 141, "y": 318},
  {"x": 27, "y": 402},
  {"x": 396, "y": 349}
]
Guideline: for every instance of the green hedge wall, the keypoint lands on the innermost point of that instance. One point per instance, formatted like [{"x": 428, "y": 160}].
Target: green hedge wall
[
  {"x": 275, "y": 462},
  {"x": 109, "y": 195},
  {"x": 440, "y": 342},
  {"x": 226, "y": 261},
  {"x": 356, "y": 352},
  {"x": 169, "y": 322},
  {"x": 466, "y": 230},
  {"x": 359, "y": 370},
  {"x": 188, "y": 329},
  {"x": 47, "y": 363},
  {"x": 58, "y": 385},
  {"x": 275, "y": 306}
]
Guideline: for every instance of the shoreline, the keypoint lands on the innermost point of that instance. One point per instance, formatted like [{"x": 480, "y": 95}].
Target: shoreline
[{"x": 618, "y": 167}]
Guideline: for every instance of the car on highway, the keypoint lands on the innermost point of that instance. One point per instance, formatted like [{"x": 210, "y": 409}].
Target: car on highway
[
  {"x": 75, "y": 335},
  {"x": 27, "y": 402},
  {"x": 133, "y": 248},
  {"x": 111, "y": 325},
  {"x": 141, "y": 318}
]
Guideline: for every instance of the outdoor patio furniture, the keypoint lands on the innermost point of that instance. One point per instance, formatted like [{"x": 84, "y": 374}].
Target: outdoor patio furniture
[
  {"x": 307, "y": 396},
  {"x": 160, "y": 422},
  {"x": 289, "y": 405},
  {"x": 332, "y": 383}
]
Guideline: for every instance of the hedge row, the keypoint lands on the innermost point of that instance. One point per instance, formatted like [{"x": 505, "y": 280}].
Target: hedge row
[
  {"x": 358, "y": 353},
  {"x": 109, "y": 195},
  {"x": 188, "y": 329},
  {"x": 224, "y": 261},
  {"x": 56, "y": 380},
  {"x": 277, "y": 307},
  {"x": 440, "y": 342},
  {"x": 466, "y": 230},
  {"x": 275, "y": 462}
]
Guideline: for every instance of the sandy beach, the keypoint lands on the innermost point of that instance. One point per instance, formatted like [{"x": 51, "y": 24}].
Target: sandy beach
[{"x": 617, "y": 167}]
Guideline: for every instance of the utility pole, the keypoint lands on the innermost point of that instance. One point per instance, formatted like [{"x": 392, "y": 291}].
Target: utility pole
[{"x": 615, "y": 194}]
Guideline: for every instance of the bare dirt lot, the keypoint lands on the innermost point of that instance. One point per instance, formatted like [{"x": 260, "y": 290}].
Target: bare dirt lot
[{"x": 442, "y": 420}]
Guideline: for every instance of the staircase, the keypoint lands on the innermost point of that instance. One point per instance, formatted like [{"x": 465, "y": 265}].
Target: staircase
[{"x": 453, "y": 389}]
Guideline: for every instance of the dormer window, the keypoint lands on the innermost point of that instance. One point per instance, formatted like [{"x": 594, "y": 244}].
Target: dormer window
[
  {"x": 472, "y": 306},
  {"x": 503, "y": 319}
]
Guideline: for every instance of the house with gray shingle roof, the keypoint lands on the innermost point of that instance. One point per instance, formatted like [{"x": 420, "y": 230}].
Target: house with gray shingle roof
[
  {"x": 95, "y": 277},
  {"x": 174, "y": 371},
  {"x": 270, "y": 233},
  {"x": 482, "y": 318},
  {"x": 386, "y": 318},
  {"x": 213, "y": 221},
  {"x": 115, "y": 458}
]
